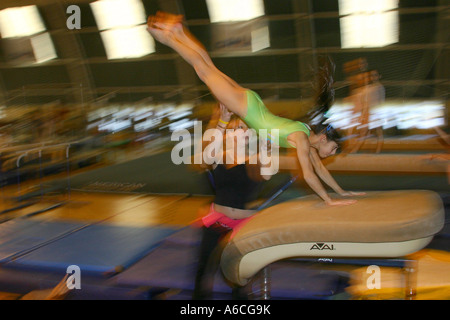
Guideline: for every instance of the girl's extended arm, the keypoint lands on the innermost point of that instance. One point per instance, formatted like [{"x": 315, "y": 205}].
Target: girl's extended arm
[
  {"x": 326, "y": 177},
  {"x": 303, "y": 154}
]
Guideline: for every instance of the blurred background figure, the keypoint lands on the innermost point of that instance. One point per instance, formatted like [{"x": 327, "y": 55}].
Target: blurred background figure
[
  {"x": 358, "y": 98},
  {"x": 366, "y": 93},
  {"x": 376, "y": 97}
]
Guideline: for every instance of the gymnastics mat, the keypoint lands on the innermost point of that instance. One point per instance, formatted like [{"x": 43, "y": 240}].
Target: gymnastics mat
[
  {"x": 98, "y": 250},
  {"x": 19, "y": 236},
  {"x": 155, "y": 174},
  {"x": 172, "y": 265},
  {"x": 188, "y": 236}
]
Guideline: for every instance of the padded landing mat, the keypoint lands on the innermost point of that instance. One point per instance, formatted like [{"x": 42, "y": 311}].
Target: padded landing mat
[
  {"x": 172, "y": 265},
  {"x": 155, "y": 174},
  {"x": 96, "y": 249},
  {"x": 18, "y": 236}
]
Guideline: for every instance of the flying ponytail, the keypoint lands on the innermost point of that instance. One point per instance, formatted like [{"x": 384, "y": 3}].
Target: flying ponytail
[
  {"x": 323, "y": 100},
  {"x": 323, "y": 90}
]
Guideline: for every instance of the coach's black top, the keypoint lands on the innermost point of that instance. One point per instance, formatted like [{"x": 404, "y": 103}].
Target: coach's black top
[{"x": 234, "y": 188}]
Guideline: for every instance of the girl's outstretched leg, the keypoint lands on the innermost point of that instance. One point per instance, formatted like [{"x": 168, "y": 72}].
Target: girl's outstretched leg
[{"x": 171, "y": 33}]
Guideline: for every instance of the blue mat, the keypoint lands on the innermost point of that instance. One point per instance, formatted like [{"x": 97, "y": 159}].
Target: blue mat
[
  {"x": 187, "y": 236},
  {"x": 173, "y": 265},
  {"x": 20, "y": 236},
  {"x": 96, "y": 249},
  {"x": 168, "y": 266}
]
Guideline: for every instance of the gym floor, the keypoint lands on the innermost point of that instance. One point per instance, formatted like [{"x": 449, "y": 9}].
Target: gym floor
[{"x": 138, "y": 244}]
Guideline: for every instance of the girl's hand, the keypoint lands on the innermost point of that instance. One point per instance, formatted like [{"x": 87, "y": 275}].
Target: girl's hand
[
  {"x": 352, "y": 193},
  {"x": 225, "y": 114}
]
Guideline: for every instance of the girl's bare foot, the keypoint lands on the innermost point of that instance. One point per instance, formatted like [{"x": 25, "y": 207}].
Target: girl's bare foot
[
  {"x": 164, "y": 26},
  {"x": 164, "y": 21}
]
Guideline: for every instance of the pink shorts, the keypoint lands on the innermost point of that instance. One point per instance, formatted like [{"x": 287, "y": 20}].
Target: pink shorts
[{"x": 214, "y": 216}]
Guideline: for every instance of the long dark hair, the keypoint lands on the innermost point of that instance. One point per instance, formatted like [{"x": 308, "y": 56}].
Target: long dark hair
[{"x": 323, "y": 100}]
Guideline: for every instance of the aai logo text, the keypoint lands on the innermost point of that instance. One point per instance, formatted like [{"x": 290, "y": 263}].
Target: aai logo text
[{"x": 322, "y": 246}]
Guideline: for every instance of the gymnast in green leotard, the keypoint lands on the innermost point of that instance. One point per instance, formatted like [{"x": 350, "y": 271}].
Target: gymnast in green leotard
[
  {"x": 259, "y": 117},
  {"x": 311, "y": 144}
]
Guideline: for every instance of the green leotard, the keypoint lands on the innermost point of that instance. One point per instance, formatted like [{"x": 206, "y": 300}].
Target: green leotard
[{"x": 259, "y": 117}]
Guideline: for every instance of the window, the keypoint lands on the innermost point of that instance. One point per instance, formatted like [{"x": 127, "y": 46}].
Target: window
[
  {"x": 367, "y": 23},
  {"x": 26, "y": 22},
  {"x": 234, "y": 10},
  {"x": 122, "y": 25}
]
